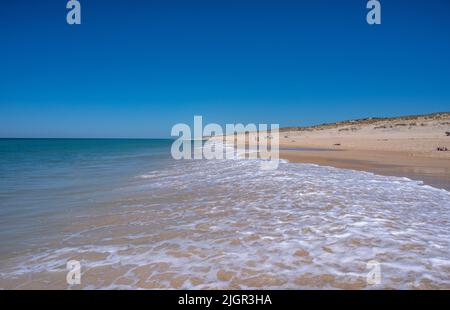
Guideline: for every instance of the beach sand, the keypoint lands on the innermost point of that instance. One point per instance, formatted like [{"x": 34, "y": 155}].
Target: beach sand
[
  {"x": 432, "y": 171},
  {"x": 402, "y": 146}
]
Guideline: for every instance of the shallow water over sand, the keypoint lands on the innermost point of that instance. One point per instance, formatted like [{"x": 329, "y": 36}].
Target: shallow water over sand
[{"x": 228, "y": 224}]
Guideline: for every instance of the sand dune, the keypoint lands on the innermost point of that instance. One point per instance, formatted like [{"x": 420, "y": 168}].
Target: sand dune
[{"x": 416, "y": 135}]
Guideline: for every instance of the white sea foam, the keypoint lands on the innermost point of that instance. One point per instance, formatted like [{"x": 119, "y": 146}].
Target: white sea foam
[{"x": 300, "y": 226}]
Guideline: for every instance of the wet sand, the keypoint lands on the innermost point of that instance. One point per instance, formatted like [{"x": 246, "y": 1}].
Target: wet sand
[{"x": 432, "y": 171}]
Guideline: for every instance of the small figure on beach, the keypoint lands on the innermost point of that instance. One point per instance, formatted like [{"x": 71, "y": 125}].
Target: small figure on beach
[{"x": 441, "y": 149}]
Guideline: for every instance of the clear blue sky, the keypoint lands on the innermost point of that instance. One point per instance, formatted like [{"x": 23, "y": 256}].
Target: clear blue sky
[{"x": 135, "y": 68}]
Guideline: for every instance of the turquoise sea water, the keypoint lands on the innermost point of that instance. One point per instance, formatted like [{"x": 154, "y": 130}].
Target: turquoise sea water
[{"x": 45, "y": 181}]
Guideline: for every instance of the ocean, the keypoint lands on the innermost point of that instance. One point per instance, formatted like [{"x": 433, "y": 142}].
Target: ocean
[{"x": 135, "y": 218}]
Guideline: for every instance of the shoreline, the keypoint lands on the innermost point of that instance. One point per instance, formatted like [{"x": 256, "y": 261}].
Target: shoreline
[
  {"x": 162, "y": 227},
  {"x": 431, "y": 171},
  {"x": 416, "y": 147}
]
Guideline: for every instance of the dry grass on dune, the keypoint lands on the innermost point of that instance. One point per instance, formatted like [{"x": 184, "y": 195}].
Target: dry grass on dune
[{"x": 400, "y": 120}]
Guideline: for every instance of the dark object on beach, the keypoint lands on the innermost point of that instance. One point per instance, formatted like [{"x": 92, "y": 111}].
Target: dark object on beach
[
  {"x": 337, "y": 144},
  {"x": 441, "y": 149},
  {"x": 447, "y": 133}
]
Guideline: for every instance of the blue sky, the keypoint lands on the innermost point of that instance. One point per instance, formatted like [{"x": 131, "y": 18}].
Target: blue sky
[{"x": 136, "y": 68}]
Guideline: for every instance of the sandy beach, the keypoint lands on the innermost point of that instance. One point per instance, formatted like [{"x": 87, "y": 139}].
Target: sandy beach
[
  {"x": 432, "y": 171},
  {"x": 224, "y": 150},
  {"x": 401, "y": 146}
]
